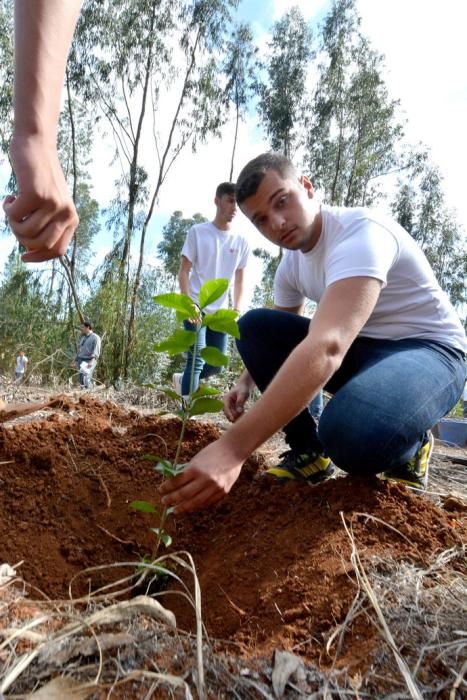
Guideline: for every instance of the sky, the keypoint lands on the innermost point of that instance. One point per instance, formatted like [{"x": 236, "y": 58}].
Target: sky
[{"x": 425, "y": 55}]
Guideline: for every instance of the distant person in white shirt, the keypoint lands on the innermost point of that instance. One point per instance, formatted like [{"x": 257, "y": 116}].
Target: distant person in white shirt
[
  {"x": 21, "y": 366},
  {"x": 211, "y": 251}
]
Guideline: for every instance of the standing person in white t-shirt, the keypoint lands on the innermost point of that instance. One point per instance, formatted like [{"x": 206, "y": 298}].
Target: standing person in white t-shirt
[
  {"x": 211, "y": 251},
  {"x": 385, "y": 342},
  {"x": 21, "y": 365}
]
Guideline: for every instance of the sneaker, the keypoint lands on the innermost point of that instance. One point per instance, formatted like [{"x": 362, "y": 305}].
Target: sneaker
[
  {"x": 415, "y": 472},
  {"x": 177, "y": 382},
  {"x": 303, "y": 465}
]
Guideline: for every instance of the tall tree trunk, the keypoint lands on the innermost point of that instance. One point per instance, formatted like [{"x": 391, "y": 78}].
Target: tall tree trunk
[
  {"x": 121, "y": 351},
  {"x": 237, "y": 119},
  {"x": 160, "y": 179},
  {"x": 337, "y": 170}
]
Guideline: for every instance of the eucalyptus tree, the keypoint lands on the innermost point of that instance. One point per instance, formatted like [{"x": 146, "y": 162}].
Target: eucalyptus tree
[
  {"x": 354, "y": 132},
  {"x": 263, "y": 294},
  {"x": 169, "y": 249},
  {"x": 32, "y": 319},
  {"x": 420, "y": 207},
  {"x": 152, "y": 67},
  {"x": 239, "y": 68},
  {"x": 283, "y": 94}
]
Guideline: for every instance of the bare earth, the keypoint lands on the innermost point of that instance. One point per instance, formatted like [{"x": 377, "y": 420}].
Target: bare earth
[{"x": 274, "y": 562}]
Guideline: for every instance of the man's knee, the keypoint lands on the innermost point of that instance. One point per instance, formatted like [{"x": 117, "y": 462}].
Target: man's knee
[{"x": 253, "y": 320}]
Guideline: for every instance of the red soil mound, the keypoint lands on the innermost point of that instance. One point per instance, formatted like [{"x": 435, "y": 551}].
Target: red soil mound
[{"x": 273, "y": 561}]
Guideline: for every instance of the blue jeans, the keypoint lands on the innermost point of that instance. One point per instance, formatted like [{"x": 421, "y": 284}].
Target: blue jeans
[
  {"x": 206, "y": 338},
  {"x": 385, "y": 395},
  {"x": 316, "y": 405}
]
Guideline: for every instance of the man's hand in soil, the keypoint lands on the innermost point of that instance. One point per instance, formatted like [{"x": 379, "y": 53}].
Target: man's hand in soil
[
  {"x": 206, "y": 479},
  {"x": 236, "y": 398},
  {"x": 234, "y": 402}
]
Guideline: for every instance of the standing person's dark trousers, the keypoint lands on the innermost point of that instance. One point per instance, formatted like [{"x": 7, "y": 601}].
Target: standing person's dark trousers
[{"x": 386, "y": 394}]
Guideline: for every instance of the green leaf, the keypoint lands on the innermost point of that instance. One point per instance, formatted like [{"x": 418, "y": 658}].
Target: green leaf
[
  {"x": 163, "y": 536},
  {"x": 166, "y": 539},
  {"x": 201, "y": 406},
  {"x": 214, "y": 357},
  {"x": 204, "y": 390},
  {"x": 212, "y": 290},
  {"x": 143, "y": 506},
  {"x": 153, "y": 458},
  {"x": 171, "y": 394},
  {"x": 182, "y": 304},
  {"x": 223, "y": 321},
  {"x": 165, "y": 468},
  {"x": 179, "y": 341}
]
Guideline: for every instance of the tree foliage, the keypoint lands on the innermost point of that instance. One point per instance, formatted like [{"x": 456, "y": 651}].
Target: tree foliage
[
  {"x": 353, "y": 133},
  {"x": 420, "y": 207},
  {"x": 283, "y": 92},
  {"x": 239, "y": 68},
  {"x": 155, "y": 78},
  {"x": 169, "y": 249}
]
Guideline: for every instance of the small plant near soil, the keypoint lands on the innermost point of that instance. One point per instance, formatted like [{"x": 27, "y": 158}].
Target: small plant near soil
[{"x": 205, "y": 398}]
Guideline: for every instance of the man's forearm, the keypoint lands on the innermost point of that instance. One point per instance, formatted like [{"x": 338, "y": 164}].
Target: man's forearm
[
  {"x": 238, "y": 290},
  {"x": 183, "y": 278},
  {"x": 43, "y": 34},
  {"x": 238, "y": 296}
]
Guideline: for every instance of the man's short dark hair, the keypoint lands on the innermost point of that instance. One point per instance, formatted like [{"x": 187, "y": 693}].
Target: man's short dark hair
[
  {"x": 252, "y": 174},
  {"x": 225, "y": 188},
  {"x": 87, "y": 324}
]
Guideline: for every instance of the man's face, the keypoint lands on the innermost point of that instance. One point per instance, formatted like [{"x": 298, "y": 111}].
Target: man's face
[
  {"x": 226, "y": 207},
  {"x": 85, "y": 330},
  {"x": 281, "y": 211}
]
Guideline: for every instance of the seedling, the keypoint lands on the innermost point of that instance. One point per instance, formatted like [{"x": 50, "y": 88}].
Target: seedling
[{"x": 204, "y": 399}]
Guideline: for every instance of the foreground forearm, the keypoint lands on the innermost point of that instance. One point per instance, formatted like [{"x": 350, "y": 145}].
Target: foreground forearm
[{"x": 43, "y": 33}]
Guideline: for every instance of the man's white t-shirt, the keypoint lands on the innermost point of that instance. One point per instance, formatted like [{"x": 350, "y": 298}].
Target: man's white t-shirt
[
  {"x": 213, "y": 254},
  {"x": 361, "y": 242},
  {"x": 21, "y": 364}
]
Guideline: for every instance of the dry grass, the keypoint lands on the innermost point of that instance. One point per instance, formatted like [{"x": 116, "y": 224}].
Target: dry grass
[{"x": 103, "y": 647}]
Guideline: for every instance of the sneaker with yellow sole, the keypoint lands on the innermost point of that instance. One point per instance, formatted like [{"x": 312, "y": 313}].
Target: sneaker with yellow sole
[
  {"x": 415, "y": 472},
  {"x": 302, "y": 465}
]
